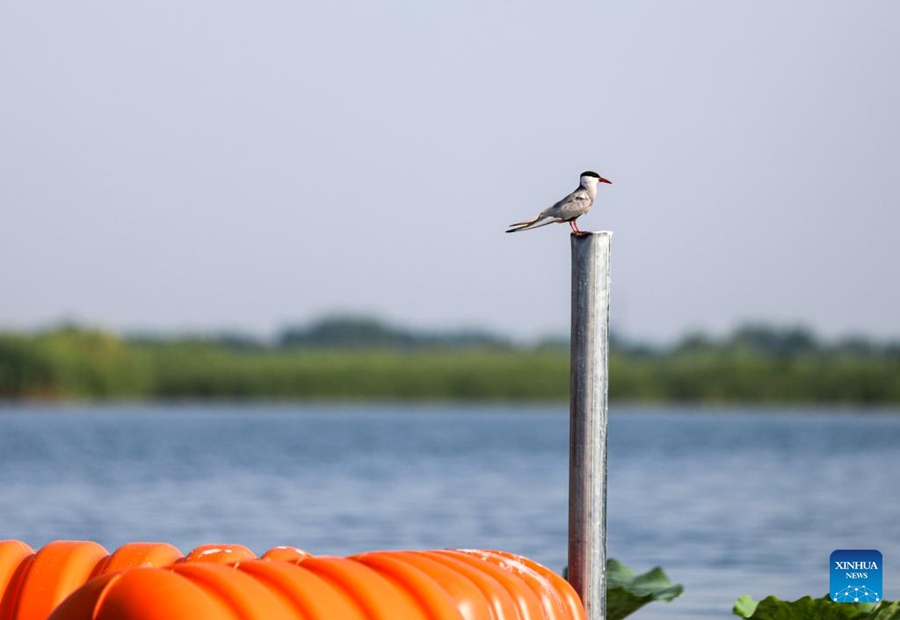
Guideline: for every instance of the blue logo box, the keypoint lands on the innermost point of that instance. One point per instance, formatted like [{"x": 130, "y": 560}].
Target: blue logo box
[{"x": 856, "y": 576}]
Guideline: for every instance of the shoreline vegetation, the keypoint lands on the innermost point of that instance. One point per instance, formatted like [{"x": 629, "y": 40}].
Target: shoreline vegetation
[{"x": 352, "y": 358}]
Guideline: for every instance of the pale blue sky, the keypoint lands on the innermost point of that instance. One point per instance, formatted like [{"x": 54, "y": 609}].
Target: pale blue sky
[{"x": 211, "y": 165}]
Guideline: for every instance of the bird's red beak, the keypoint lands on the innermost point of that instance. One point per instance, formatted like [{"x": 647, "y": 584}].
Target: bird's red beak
[{"x": 602, "y": 180}]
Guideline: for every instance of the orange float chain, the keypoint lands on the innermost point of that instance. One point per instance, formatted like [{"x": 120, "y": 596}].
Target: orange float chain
[{"x": 78, "y": 580}]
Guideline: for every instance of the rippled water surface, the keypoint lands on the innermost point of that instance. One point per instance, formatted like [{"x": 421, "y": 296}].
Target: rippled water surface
[{"x": 727, "y": 501}]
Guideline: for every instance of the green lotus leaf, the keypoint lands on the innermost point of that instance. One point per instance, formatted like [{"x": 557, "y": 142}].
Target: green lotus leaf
[
  {"x": 808, "y": 608},
  {"x": 627, "y": 592}
]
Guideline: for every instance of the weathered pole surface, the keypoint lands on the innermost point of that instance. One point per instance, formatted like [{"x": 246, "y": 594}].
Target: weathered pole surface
[{"x": 588, "y": 417}]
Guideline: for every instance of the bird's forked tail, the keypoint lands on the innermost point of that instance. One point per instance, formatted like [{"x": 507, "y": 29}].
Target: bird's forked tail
[{"x": 529, "y": 224}]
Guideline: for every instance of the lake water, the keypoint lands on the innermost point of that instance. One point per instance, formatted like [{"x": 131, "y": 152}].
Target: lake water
[{"x": 726, "y": 501}]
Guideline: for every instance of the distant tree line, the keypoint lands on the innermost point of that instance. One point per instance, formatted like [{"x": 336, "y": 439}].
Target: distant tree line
[
  {"x": 362, "y": 332},
  {"x": 356, "y": 332},
  {"x": 775, "y": 342},
  {"x": 338, "y": 332},
  {"x": 364, "y": 358}
]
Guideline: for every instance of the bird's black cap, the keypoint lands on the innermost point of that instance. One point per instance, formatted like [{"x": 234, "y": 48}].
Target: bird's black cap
[{"x": 591, "y": 173}]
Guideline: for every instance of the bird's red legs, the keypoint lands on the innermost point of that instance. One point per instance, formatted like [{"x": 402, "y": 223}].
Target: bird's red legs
[{"x": 574, "y": 226}]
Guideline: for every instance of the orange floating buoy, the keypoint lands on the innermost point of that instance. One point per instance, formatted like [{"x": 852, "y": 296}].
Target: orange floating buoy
[
  {"x": 427, "y": 592},
  {"x": 53, "y": 573},
  {"x": 314, "y": 597},
  {"x": 245, "y": 597},
  {"x": 137, "y": 554},
  {"x": 84, "y": 602},
  {"x": 550, "y": 584},
  {"x": 143, "y": 594},
  {"x": 286, "y": 554},
  {"x": 79, "y": 580},
  {"x": 220, "y": 554},
  {"x": 15, "y": 557},
  {"x": 524, "y": 599},
  {"x": 377, "y": 596},
  {"x": 464, "y": 592}
]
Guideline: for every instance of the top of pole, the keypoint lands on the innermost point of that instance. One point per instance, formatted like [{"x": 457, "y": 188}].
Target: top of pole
[{"x": 589, "y": 233}]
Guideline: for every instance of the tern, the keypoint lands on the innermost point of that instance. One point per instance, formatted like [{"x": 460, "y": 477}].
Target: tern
[{"x": 569, "y": 208}]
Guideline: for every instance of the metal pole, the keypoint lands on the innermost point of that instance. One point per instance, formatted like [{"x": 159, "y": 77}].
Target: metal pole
[{"x": 588, "y": 414}]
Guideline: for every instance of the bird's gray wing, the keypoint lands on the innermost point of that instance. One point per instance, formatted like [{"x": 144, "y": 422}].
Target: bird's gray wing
[{"x": 572, "y": 206}]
